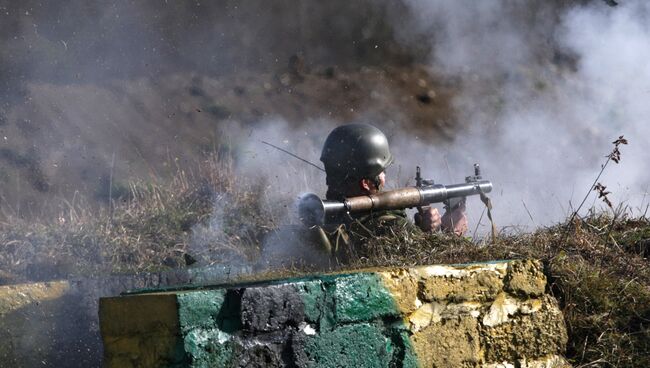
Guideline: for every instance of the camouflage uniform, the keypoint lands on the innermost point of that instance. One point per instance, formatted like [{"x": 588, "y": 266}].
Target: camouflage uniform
[
  {"x": 351, "y": 153},
  {"x": 329, "y": 245},
  {"x": 348, "y": 240}
]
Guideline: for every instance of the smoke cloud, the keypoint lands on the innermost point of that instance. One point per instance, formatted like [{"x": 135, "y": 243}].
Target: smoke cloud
[
  {"x": 545, "y": 89},
  {"x": 540, "y": 88}
]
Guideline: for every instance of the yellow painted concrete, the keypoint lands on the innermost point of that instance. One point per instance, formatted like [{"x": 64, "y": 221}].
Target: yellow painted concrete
[{"x": 13, "y": 297}]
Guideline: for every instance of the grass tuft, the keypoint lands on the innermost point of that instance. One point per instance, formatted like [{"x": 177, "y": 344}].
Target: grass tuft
[{"x": 154, "y": 228}]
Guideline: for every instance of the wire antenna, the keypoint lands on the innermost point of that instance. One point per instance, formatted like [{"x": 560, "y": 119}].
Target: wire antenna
[{"x": 293, "y": 155}]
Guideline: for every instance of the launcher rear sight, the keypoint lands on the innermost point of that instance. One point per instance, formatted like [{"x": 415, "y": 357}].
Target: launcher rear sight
[{"x": 315, "y": 211}]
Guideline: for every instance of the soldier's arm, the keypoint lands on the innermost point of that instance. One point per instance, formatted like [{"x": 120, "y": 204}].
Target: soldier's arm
[
  {"x": 428, "y": 219},
  {"x": 455, "y": 220}
]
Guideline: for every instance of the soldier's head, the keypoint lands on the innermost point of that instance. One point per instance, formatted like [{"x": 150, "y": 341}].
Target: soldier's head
[{"x": 355, "y": 157}]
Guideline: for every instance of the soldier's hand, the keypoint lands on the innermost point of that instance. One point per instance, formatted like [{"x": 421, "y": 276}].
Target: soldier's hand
[
  {"x": 428, "y": 219},
  {"x": 455, "y": 220}
]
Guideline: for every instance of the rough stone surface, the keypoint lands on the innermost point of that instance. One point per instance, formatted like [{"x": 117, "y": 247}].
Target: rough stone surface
[
  {"x": 203, "y": 317},
  {"x": 449, "y": 343},
  {"x": 362, "y": 297},
  {"x": 313, "y": 297},
  {"x": 358, "y": 345},
  {"x": 200, "y": 309},
  {"x": 271, "y": 308},
  {"x": 526, "y": 278},
  {"x": 527, "y": 335},
  {"x": 403, "y": 285},
  {"x": 551, "y": 361},
  {"x": 479, "y": 315},
  {"x": 451, "y": 284}
]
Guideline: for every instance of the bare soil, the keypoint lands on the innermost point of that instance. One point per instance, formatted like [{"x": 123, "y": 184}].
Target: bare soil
[{"x": 92, "y": 139}]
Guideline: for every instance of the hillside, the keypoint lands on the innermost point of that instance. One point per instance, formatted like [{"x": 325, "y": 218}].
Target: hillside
[{"x": 69, "y": 140}]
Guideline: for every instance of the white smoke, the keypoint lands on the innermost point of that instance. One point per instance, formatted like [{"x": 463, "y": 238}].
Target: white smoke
[
  {"x": 544, "y": 90},
  {"x": 285, "y": 175},
  {"x": 284, "y": 178},
  {"x": 539, "y": 128}
]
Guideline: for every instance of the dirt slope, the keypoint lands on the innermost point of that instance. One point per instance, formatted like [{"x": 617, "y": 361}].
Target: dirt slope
[{"x": 66, "y": 139}]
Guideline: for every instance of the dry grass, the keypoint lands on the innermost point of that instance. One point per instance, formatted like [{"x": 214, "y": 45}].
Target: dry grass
[
  {"x": 150, "y": 227},
  {"x": 597, "y": 267}
]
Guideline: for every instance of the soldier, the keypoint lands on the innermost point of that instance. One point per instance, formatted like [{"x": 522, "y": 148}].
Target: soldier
[{"x": 356, "y": 157}]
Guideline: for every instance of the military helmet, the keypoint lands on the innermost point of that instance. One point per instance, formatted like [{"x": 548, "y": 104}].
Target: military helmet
[{"x": 355, "y": 151}]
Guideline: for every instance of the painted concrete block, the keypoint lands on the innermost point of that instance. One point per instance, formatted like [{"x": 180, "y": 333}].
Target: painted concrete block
[
  {"x": 479, "y": 315},
  {"x": 362, "y": 297},
  {"x": 357, "y": 345},
  {"x": 56, "y": 324},
  {"x": 271, "y": 308}
]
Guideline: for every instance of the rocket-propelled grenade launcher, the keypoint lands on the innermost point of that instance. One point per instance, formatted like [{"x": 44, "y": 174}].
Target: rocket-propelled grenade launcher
[{"x": 315, "y": 211}]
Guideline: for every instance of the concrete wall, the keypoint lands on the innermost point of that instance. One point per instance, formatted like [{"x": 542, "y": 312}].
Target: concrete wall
[
  {"x": 55, "y": 324},
  {"x": 480, "y": 315}
]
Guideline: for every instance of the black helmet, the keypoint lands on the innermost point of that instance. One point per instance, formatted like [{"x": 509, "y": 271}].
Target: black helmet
[{"x": 355, "y": 151}]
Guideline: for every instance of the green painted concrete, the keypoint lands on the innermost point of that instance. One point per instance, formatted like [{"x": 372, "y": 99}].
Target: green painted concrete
[
  {"x": 366, "y": 319},
  {"x": 362, "y": 297},
  {"x": 314, "y": 297},
  {"x": 200, "y": 309},
  {"x": 359, "y": 345}
]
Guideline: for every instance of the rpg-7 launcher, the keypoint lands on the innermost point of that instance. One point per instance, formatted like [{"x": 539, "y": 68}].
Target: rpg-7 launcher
[{"x": 315, "y": 211}]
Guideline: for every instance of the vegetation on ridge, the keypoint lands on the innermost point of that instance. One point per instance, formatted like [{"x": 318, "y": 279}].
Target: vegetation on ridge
[
  {"x": 597, "y": 266},
  {"x": 599, "y": 272}
]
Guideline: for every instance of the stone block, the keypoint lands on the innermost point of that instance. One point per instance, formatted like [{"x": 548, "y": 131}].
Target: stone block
[
  {"x": 209, "y": 348},
  {"x": 358, "y": 345},
  {"x": 449, "y": 343},
  {"x": 136, "y": 314},
  {"x": 526, "y": 333},
  {"x": 312, "y": 294},
  {"x": 362, "y": 297},
  {"x": 551, "y": 361},
  {"x": 271, "y": 308},
  {"x": 261, "y": 355},
  {"x": 200, "y": 309},
  {"x": 461, "y": 283},
  {"x": 144, "y": 330},
  {"x": 525, "y": 278},
  {"x": 403, "y": 286}
]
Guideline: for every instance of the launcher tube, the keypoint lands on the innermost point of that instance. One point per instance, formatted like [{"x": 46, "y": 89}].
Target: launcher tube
[{"x": 314, "y": 211}]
